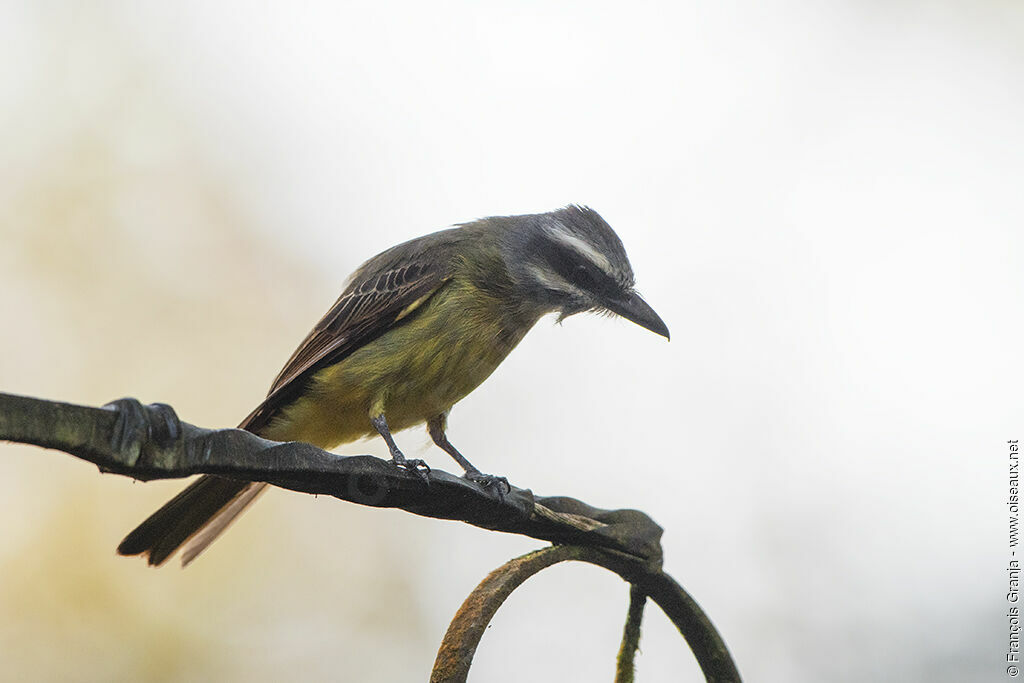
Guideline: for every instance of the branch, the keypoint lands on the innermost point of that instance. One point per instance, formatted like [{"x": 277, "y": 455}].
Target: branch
[{"x": 150, "y": 442}]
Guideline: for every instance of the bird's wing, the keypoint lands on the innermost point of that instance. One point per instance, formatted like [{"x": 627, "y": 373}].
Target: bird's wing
[{"x": 382, "y": 293}]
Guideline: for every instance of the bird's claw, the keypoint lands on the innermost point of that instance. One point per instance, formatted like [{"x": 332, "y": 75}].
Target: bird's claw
[
  {"x": 491, "y": 482},
  {"x": 416, "y": 466}
]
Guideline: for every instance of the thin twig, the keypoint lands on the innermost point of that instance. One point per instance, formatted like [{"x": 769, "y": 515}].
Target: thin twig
[{"x": 630, "y": 636}]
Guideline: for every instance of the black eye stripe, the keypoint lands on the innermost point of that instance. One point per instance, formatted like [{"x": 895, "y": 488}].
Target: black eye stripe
[{"x": 579, "y": 270}]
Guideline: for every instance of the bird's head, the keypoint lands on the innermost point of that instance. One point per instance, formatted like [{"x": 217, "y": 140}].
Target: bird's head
[{"x": 570, "y": 261}]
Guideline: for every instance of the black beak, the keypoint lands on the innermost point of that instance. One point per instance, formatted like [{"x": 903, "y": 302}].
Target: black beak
[{"x": 631, "y": 307}]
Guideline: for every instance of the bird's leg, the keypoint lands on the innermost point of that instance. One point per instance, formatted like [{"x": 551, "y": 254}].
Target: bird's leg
[
  {"x": 436, "y": 427},
  {"x": 418, "y": 466}
]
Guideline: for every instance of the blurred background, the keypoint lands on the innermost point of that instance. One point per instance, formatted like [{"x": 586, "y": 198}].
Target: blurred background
[{"x": 823, "y": 200}]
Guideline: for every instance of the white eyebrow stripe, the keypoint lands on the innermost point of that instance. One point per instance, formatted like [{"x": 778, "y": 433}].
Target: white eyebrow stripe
[
  {"x": 580, "y": 247},
  {"x": 552, "y": 280}
]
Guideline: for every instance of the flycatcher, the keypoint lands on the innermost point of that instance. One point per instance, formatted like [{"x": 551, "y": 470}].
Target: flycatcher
[{"x": 418, "y": 327}]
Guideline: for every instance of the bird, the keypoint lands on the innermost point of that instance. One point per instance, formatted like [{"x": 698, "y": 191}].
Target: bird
[{"x": 416, "y": 329}]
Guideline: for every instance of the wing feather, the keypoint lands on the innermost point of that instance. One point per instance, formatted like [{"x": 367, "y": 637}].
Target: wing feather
[{"x": 381, "y": 294}]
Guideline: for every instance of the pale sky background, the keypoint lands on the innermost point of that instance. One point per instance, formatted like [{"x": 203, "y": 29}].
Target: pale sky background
[{"x": 822, "y": 200}]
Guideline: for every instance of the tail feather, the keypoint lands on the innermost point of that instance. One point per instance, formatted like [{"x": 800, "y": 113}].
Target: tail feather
[
  {"x": 205, "y": 508},
  {"x": 220, "y": 522}
]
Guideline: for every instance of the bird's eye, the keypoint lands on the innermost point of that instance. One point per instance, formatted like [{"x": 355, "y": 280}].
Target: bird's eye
[{"x": 583, "y": 276}]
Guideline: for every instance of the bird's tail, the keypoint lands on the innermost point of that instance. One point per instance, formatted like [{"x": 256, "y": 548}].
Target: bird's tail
[{"x": 194, "y": 518}]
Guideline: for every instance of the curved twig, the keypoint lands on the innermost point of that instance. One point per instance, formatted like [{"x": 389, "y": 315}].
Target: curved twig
[{"x": 460, "y": 642}]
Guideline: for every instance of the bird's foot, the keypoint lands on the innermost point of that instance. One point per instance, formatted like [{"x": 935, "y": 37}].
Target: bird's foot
[
  {"x": 491, "y": 482},
  {"x": 414, "y": 465}
]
